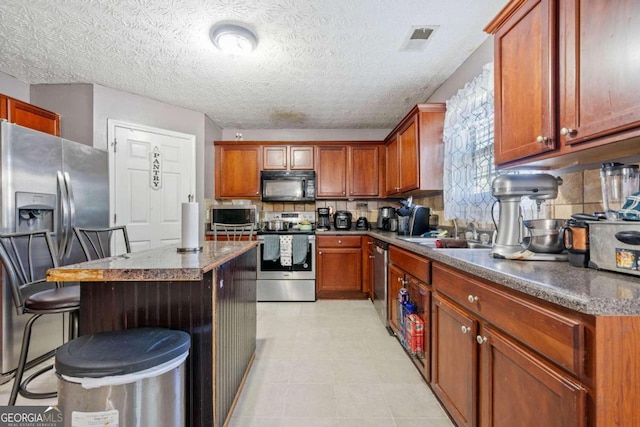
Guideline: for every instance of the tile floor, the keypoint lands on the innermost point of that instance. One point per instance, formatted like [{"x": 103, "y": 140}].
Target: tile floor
[
  {"x": 329, "y": 364},
  {"x": 332, "y": 363}
]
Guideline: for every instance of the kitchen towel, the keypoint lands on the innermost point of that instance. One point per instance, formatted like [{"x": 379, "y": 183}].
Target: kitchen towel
[
  {"x": 299, "y": 249},
  {"x": 190, "y": 222},
  {"x": 285, "y": 250},
  {"x": 271, "y": 250}
]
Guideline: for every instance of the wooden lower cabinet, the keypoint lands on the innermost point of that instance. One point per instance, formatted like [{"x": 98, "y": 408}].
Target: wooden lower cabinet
[
  {"x": 454, "y": 359},
  {"x": 339, "y": 265},
  {"x": 367, "y": 266},
  {"x": 395, "y": 282},
  {"x": 517, "y": 388}
]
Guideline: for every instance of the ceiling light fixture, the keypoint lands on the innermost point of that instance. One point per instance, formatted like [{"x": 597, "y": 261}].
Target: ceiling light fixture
[{"x": 233, "y": 39}]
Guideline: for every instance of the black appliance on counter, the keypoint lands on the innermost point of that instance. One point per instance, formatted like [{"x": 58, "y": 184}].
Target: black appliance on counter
[
  {"x": 324, "y": 220},
  {"x": 418, "y": 221},
  {"x": 362, "y": 223},
  {"x": 288, "y": 186},
  {"x": 342, "y": 220}
]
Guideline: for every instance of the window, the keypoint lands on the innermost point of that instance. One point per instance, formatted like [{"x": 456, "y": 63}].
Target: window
[{"x": 468, "y": 161}]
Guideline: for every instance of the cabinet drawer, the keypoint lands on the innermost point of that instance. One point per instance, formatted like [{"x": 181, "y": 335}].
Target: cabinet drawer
[
  {"x": 413, "y": 264},
  {"x": 339, "y": 241},
  {"x": 554, "y": 335}
]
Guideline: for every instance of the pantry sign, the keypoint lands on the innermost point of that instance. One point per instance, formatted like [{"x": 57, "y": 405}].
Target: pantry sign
[{"x": 156, "y": 169}]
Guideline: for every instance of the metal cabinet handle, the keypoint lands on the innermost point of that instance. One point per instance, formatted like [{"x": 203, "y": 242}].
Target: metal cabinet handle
[
  {"x": 472, "y": 298},
  {"x": 568, "y": 132},
  {"x": 481, "y": 340},
  {"x": 371, "y": 257},
  {"x": 319, "y": 252},
  {"x": 465, "y": 329},
  {"x": 339, "y": 242}
]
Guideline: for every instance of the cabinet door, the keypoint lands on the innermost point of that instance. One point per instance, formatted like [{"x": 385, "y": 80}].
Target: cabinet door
[
  {"x": 454, "y": 361},
  {"x": 274, "y": 157},
  {"x": 409, "y": 157},
  {"x": 301, "y": 158},
  {"x": 525, "y": 65},
  {"x": 536, "y": 394},
  {"x": 420, "y": 294},
  {"x": 363, "y": 171},
  {"x": 331, "y": 172},
  {"x": 395, "y": 282},
  {"x": 392, "y": 184},
  {"x": 599, "y": 70},
  {"x": 367, "y": 266},
  {"x": 238, "y": 172},
  {"x": 29, "y": 116},
  {"x": 339, "y": 270}
]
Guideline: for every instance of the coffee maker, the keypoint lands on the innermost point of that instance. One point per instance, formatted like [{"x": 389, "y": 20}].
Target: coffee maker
[
  {"x": 509, "y": 190},
  {"x": 385, "y": 216},
  {"x": 324, "y": 222}
]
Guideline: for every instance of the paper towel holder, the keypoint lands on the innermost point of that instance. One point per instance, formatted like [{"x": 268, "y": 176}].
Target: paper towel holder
[{"x": 193, "y": 249}]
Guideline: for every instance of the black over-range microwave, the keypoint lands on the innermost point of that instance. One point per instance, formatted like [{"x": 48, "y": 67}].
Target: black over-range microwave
[{"x": 288, "y": 186}]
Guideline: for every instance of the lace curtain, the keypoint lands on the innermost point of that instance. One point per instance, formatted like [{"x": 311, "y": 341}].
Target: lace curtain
[{"x": 468, "y": 144}]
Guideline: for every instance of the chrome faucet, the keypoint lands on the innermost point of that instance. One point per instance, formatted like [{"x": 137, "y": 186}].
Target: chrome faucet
[
  {"x": 474, "y": 229},
  {"x": 455, "y": 226}
]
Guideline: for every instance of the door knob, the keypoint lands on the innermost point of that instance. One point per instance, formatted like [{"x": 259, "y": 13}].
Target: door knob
[
  {"x": 568, "y": 132},
  {"x": 542, "y": 139},
  {"x": 481, "y": 340},
  {"x": 472, "y": 298},
  {"x": 465, "y": 329}
]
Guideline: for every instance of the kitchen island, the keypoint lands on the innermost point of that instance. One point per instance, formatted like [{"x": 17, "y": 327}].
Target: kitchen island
[{"x": 209, "y": 294}]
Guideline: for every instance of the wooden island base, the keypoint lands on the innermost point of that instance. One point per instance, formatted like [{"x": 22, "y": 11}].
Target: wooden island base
[{"x": 217, "y": 308}]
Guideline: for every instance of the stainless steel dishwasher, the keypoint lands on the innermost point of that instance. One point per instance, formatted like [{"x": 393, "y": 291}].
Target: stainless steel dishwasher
[{"x": 380, "y": 260}]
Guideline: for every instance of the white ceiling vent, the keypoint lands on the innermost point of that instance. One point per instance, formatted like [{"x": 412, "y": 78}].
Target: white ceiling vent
[{"x": 418, "y": 37}]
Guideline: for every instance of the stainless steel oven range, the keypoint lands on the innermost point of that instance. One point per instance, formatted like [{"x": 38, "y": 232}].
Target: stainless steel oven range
[{"x": 286, "y": 271}]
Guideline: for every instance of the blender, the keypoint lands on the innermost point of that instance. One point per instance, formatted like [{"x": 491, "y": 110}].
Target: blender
[{"x": 618, "y": 182}]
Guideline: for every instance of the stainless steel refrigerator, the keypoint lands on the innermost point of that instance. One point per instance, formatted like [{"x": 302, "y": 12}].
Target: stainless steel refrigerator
[{"x": 54, "y": 184}]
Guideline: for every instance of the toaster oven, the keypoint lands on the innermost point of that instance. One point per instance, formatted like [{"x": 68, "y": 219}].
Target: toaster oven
[
  {"x": 615, "y": 246},
  {"x": 235, "y": 214}
]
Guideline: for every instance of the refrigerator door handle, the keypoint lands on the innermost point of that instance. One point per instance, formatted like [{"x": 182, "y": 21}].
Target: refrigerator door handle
[
  {"x": 64, "y": 207},
  {"x": 72, "y": 213}
]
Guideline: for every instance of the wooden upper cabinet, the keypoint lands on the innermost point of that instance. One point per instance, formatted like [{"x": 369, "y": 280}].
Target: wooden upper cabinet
[
  {"x": 331, "y": 171},
  {"x": 566, "y": 81},
  {"x": 598, "y": 68},
  {"x": 301, "y": 158},
  {"x": 237, "y": 171},
  {"x": 414, "y": 152},
  {"x": 364, "y": 171},
  {"x": 29, "y": 116},
  {"x": 275, "y": 157},
  {"x": 524, "y": 90},
  {"x": 392, "y": 181},
  {"x": 409, "y": 161},
  {"x": 285, "y": 157}
]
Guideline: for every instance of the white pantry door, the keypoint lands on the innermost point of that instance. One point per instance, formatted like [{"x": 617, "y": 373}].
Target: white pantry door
[{"x": 153, "y": 172}]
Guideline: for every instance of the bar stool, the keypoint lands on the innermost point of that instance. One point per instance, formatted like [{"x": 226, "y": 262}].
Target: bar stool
[
  {"x": 98, "y": 243},
  {"x": 26, "y": 258},
  {"x": 234, "y": 232}
]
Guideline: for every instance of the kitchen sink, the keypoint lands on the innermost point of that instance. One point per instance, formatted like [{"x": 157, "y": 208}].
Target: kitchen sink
[{"x": 430, "y": 242}]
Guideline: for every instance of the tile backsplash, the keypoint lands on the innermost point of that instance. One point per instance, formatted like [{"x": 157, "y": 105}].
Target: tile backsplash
[{"x": 579, "y": 192}]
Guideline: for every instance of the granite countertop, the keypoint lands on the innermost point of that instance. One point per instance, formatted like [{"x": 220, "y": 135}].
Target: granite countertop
[
  {"x": 163, "y": 263},
  {"x": 585, "y": 290}
]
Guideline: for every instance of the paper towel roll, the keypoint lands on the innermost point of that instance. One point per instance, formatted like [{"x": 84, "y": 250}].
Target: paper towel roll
[{"x": 190, "y": 223}]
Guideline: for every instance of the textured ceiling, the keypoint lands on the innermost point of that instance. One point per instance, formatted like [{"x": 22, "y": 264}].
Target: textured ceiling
[{"x": 319, "y": 63}]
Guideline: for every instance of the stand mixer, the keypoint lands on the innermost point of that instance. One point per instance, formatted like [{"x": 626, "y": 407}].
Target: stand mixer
[{"x": 509, "y": 190}]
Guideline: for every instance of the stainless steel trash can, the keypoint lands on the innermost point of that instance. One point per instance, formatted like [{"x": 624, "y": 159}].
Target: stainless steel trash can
[{"x": 127, "y": 378}]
